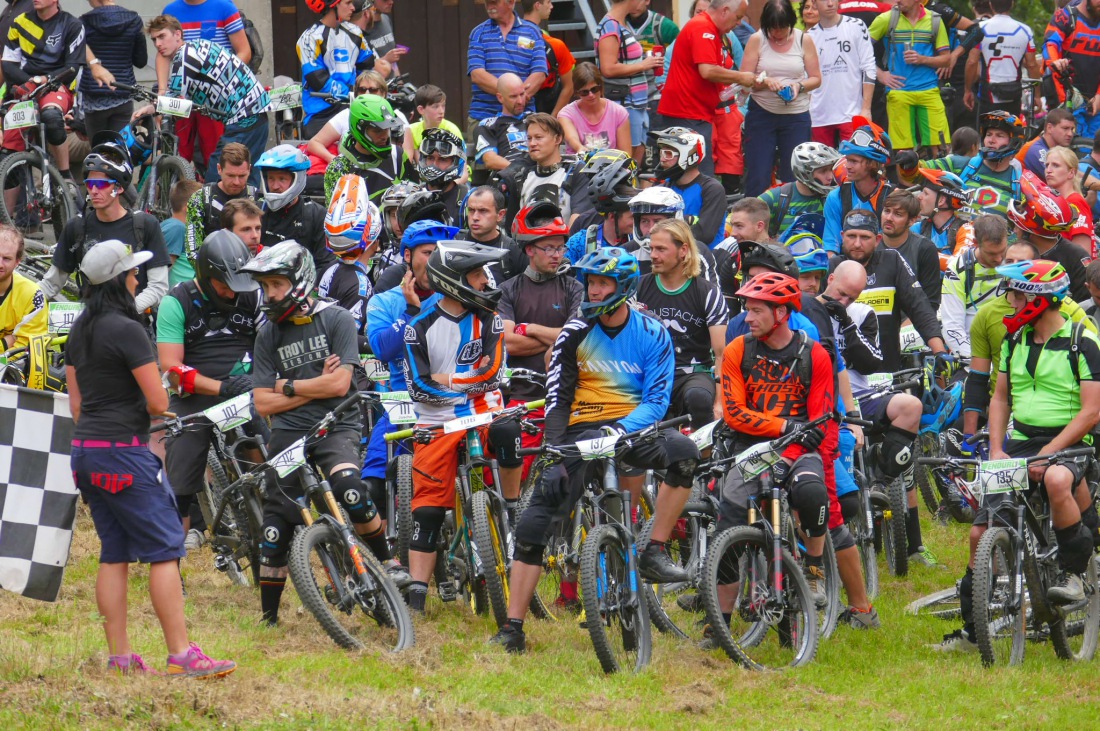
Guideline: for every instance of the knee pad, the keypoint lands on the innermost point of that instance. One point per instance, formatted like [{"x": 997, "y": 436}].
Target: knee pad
[
  {"x": 376, "y": 489},
  {"x": 353, "y": 495},
  {"x": 506, "y": 438},
  {"x": 810, "y": 498},
  {"x": 681, "y": 473},
  {"x": 54, "y": 120},
  {"x": 700, "y": 405},
  {"x": 849, "y": 506},
  {"x": 184, "y": 503},
  {"x": 529, "y": 553},
  {"x": 277, "y": 535},
  {"x": 896, "y": 455},
  {"x": 427, "y": 523}
]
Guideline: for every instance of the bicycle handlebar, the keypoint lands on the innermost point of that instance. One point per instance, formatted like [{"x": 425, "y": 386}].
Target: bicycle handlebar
[
  {"x": 397, "y": 436},
  {"x": 650, "y": 430},
  {"x": 1061, "y": 455}
]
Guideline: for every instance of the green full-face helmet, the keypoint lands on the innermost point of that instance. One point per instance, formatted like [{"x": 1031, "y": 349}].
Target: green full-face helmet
[{"x": 369, "y": 111}]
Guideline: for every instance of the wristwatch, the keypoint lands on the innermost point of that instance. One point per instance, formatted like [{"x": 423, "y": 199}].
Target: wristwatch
[{"x": 288, "y": 387}]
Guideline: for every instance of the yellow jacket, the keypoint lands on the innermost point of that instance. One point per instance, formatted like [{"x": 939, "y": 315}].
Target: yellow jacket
[{"x": 23, "y": 298}]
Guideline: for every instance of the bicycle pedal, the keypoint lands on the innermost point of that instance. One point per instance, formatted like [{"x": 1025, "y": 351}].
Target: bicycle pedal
[{"x": 448, "y": 592}]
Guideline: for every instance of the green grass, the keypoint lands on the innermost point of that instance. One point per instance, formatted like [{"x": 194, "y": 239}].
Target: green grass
[{"x": 52, "y": 675}]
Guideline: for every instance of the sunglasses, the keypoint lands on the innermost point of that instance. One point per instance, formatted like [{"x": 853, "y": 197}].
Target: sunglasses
[
  {"x": 99, "y": 184},
  {"x": 593, "y": 90}
]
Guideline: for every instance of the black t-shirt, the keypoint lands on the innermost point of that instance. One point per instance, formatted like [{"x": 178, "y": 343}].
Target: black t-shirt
[
  {"x": 924, "y": 258},
  {"x": 687, "y": 314},
  {"x": 1073, "y": 259},
  {"x": 303, "y": 222},
  {"x": 140, "y": 231},
  {"x": 112, "y": 405},
  {"x": 452, "y": 199},
  {"x": 350, "y": 286},
  {"x": 551, "y": 303},
  {"x": 298, "y": 352},
  {"x": 504, "y": 135}
]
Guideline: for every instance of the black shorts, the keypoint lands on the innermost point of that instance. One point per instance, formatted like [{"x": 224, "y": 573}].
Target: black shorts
[
  {"x": 1028, "y": 448},
  {"x": 185, "y": 453},
  {"x": 325, "y": 453},
  {"x": 562, "y": 485}
]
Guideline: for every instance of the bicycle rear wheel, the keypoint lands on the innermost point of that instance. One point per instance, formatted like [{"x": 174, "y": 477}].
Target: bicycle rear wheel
[
  {"x": 617, "y": 617},
  {"x": 767, "y": 629},
  {"x": 1075, "y": 636},
  {"x": 40, "y": 199},
  {"x": 485, "y": 528},
  {"x": 356, "y": 611},
  {"x": 999, "y": 612},
  {"x": 894, "y": 536},
  {"x": 167, "y": 171},
  {"x": 863, "y": 533},
  {"x": 557, "y": 594}
]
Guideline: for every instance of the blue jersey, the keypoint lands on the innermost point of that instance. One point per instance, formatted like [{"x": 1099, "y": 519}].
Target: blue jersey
[
  {"x": 331, "y": 58},
  {"x": 577, "y": 245},
  {"x": 387, "y": 316},
  {"x": 595, "y": 377}
]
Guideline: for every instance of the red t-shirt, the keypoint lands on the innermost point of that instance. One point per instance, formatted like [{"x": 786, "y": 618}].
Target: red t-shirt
[
  {"x": 687, "y": 94},
  {"x": 1083, "y": 225}
]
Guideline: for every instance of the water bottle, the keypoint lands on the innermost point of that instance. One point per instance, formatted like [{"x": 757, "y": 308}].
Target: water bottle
[{"x": 658, "y": 52}]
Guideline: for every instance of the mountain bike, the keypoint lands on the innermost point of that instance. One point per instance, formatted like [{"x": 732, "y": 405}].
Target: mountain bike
[
  {"x": 286, "y": 102},
  {"x": 479, "y": 536},
  {"x": 35, "y": 193},
  {"x": 1017, "y": 547},
  {"x": 337, "y": 578},
  {"x": 163, "y": 168},
  {"x": 752, "y": 571},
  {"x": 40, "y": 364},
  {"x": 232, "y": 497},
  {"x": 615, "y": 608},
  {"x": 892, "y": 538}
]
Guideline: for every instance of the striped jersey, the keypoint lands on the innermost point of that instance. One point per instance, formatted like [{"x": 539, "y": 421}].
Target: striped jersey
[
  {"x": 470, "y": 346},
  {"x": 213, "y": 20}
]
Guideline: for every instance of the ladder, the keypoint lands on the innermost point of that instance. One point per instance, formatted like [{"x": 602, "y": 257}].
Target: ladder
[{"x": 574, "y": 22}]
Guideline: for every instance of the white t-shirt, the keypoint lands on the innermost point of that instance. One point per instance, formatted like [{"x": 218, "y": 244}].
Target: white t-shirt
[
  {"x": 847, "y": 58},
  {"x": 1003, "y": 47}
]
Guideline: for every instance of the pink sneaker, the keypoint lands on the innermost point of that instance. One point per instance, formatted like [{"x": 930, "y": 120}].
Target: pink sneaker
[
  {"x": 129, "y": 665},
  {"x": 195, "y": 664}
]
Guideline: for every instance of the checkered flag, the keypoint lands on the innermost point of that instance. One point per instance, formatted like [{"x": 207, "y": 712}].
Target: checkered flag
[{"x": 37, "y": 494}]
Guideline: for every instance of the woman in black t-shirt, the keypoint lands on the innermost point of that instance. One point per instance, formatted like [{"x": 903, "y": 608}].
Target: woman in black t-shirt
[{"x": 114, "y": 385}]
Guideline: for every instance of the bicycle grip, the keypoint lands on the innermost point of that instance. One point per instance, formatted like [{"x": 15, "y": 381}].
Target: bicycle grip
[
  {"x": 398, "y": 435},
  {"x": 538, "y": 404},
  {"x": 670, "y": 423},
  {"x": 906, "y": 385},
  {"x": 859, "y": 422},
  {"x": 529, "y": 451}
]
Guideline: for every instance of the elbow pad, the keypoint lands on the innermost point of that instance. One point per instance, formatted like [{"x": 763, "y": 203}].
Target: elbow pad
[
  {"x": 972, "y": 38},
  {"x": 976, "y": 397}
]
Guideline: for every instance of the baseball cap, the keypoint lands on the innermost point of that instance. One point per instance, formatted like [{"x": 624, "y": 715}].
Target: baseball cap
[
  {"x": 107, "y": 259},
  {"x": 861, "y": 220}
]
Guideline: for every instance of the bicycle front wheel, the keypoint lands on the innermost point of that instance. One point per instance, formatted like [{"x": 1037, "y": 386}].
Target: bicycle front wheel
[
  {"x": 229, "y": 537},
  {"x": 557, "y": 595},
  {"x": 928, "y": 445},
  {"x": 894, "y": 536},
  {"x": 615, "y": 613},
  {"x": 404, "y": 495},
  {"x": 356, "y": 610},
  {"x": 1075, "y": 636},
  {"x": 863, "y": 532},
  {"x": 999, "y": 610},
  {"x": 769, "y": 626},
  {"x": 34, "y": 199},
  {"x": 485, "y": 524}
]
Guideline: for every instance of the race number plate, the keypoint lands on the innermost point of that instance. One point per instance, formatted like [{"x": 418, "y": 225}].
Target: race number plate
[
  {"x": 230, "y": 414},
  {"x": 174, "y": 107},
  {"x": 877, "y": 379},
  {"x": 61, "y": 316},
  {"x": 704, "y": 437},
  {"x": 598, "y": 448},
  {"x": 290, "y": 459},
  {"x": 23, "y": 114},
  {"x": 398, "y": 406},
  {"x": 998, "y": 476},
  {"x": 376, "y": 369},
  {"x": 285, "y": 97},
  {"x": 757, "y": 459},
  {"x": 910, "y": 340},
  {"x": 466, "y": 422}
]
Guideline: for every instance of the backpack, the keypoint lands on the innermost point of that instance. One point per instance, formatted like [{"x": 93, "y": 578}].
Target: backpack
[
  {"x": 545, "y": 99},
  {"x": 255, "y": 43},
  {"x": 975, "y": 165},
  {"x": 805, "y": 357},
  {"x": 879, "y": 201},
  {"x": 211, "y": 222},
  {"x": 786, "y": 192},
  {"x": 1076, "y": 332},
  {"x": 82, "y": 235},
  {"x": 895, "y": 16}
]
